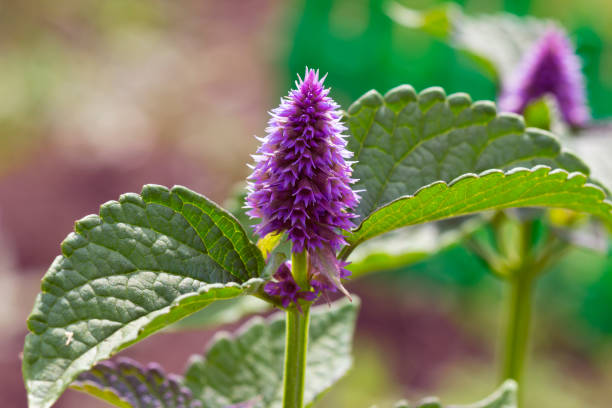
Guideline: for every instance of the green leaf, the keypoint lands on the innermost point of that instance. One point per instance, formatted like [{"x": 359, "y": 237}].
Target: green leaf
[
  {"x": 409, "y": 245},
  {"x": 504, "y": 397},
  {"x": 437, "y": 21},
  {"x": 494, "y": 189},
  {"x": 594, "y": 144},
  {"x": 539, "y": 113},
  {"x": 144, "y": 263},
  {"x": 497, "y": 41},
  {"x": 127, "y": 384},
  {"x": 222, "y": 312},
  {"x": 431, "y": 402},
  {"x": 249, "y": 367},
  {"x": 235, "y": 204},
  {"x": 405, "y": 141},
  {"x": 268, "y": 243}
]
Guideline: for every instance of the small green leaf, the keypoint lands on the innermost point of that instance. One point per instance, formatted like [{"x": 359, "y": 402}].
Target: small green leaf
[
  {"x": 539, "y": 113},
  {"x": 277, "y": 250},
  {"x": 405, "y": 141},
  {"x": 249, "y": 367},
  {"x": 267, "y": 244},
  {"x": 127, "y": 384},
  {"x": 503, "y": 397},
  {"x": 494, "y": 189},
  {"x": 144, "y": 263}
]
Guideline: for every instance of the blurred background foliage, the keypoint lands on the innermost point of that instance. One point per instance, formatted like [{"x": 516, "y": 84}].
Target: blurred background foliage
[{"x": 98, "y": 98}]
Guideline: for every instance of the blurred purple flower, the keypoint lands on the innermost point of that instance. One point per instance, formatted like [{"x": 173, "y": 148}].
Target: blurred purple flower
[
  {"x": 549, "y": 67},
  {"x": 301, "y": 180}
]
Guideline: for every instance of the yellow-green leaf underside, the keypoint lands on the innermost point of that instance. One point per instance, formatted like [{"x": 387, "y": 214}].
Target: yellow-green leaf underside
[{"x": 494, "y": 189}]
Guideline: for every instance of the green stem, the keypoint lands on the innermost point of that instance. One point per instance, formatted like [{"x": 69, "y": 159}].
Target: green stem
[
  {"x": 296, "y": 340},
  {"x": 299, "y": 268},
  {"x": 518, "y": 323},
  {"x": 525, "y": 262}
]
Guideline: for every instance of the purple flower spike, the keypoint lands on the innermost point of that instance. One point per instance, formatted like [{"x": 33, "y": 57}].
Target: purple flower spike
[
  {"x": 549, "y": 67},
  {"x": 285, "y": 287},
  {"x": 301, "y": 179}
]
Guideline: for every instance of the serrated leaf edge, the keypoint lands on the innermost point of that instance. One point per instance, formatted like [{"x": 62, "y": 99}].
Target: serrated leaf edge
[
  {"x": 93, "y": 220},
  {"x": 549, "y": 172},
  {"x": 247, "y": 287},
  {"x": 275, "y": 318},
  {"x": 486, "y": 112}
]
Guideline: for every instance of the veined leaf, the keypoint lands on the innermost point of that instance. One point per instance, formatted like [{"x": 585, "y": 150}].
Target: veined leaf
[
  {"x": 126, "y": 384},
  {"x": 144, "y": 263},
  {"x": 235, "y": 204},
  {"x": 503, "y": 397},
  {"x": 249, "y": 367},
  {"x": 494, "y": 189},
  {"x": 275, "y": 249},
  {"x": 405, "y": 141}
]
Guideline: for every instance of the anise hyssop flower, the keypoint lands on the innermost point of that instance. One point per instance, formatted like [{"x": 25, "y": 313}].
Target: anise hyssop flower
[{"x": 301, "y": 179}]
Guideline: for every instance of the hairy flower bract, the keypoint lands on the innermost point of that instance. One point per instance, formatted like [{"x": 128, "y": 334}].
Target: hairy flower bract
[{"x": 285, "y": 287}]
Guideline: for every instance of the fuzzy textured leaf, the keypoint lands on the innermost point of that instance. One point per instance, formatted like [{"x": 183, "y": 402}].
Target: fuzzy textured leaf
[
  {"x": 406, "y": 140},
  {"x": 144, "y": 263},
  {"x": 249, "y": 367},
  {"x": 494, "y": 189},
  {"x": 126, "y": 384}
]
